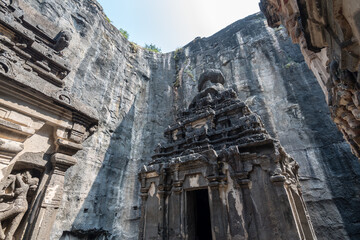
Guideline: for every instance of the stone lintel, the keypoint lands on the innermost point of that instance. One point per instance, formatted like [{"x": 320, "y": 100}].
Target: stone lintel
[
  {"x": 61, "y": 108},
  {"x": 15, "y": 131}
]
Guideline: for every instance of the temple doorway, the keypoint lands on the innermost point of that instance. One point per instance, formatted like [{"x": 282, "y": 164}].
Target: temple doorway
[{"x": 198, "y": 215}]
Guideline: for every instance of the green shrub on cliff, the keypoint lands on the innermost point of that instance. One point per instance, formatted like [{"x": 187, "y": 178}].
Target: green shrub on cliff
[
  {"x": 152, "y": 47},
  {"x": 124, "y": 33}
]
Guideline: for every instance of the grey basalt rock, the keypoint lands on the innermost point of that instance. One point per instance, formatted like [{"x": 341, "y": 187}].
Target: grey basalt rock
[{"x": 138, "y": 94}]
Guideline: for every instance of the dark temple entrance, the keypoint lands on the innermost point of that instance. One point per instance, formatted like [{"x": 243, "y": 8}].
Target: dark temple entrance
[{"x": 198, "y": 215}]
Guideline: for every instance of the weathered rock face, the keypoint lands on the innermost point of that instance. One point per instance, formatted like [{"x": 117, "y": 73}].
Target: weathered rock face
[
  {"x": 138, "y": 94},
  {"x": 328, "y": 32}
]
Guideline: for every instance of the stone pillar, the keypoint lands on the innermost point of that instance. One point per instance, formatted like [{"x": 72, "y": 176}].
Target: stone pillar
[
  {"x": 176, "y": 224},
  {"x": 245, "y": 186},
  {"x": 162, "y": 213},
  {"x": 178, "y": 209},
  {"x": 144, "y": 196},
  {"x": 289, "y": 194},
  {"x": 162, "y": 221},
  {"x": 219, "y": 225},
  {"x": 302, "y": 212},
  {"x": 52, "y": 198}
]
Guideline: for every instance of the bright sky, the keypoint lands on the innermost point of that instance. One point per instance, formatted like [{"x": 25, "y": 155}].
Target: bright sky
[{"x": 170, "y": 24}]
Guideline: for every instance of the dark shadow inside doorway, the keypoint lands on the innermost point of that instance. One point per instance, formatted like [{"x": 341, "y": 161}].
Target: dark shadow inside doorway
[{"x": 198, "y": 215}]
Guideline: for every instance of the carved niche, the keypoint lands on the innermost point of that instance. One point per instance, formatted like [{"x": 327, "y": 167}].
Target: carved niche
[
  {"x": 221, "y": 176},
  {"x": 17, "y": 193}
]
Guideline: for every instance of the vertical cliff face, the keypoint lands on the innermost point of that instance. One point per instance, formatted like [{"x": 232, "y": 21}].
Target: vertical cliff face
[
  {"x": 138, "y": 94},
  {"x": 119, "y": 80}
]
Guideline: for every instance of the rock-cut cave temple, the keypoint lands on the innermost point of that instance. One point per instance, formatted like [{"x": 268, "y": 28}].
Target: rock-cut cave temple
[{"x": 251, "y": 133}]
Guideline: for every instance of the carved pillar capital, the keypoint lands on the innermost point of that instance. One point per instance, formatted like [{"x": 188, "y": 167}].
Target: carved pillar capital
[
  {"x": 217, "y": 181},
  {"x": 244, "y": 183},
  {"x": 144, "y": 193},
  {"x": 62, "y": 162},
  {"x": 278, "y": 179},
  {"x": 177, "y": 187},
  {"x": 65, "y": 141}
]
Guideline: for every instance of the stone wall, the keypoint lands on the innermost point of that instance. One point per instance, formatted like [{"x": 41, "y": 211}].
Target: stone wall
[{"x": 138, "y": 93}]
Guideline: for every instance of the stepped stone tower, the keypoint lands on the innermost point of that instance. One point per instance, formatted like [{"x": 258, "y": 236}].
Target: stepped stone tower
[{"x": 221, "y": 176}]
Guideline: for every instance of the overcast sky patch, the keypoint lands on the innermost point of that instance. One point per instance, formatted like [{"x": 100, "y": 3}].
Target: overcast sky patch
[{"x": 170, "y": 24}]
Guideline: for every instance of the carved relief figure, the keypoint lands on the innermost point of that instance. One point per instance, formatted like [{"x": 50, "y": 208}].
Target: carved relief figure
[{"x": 14, "y": 204}]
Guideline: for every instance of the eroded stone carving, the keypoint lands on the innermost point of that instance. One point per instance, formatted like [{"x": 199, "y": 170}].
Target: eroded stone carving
[
  {"x": 34, "y": 49},
  {"x": 219, "y": 157},
  {"x": 62, "y": 40},
  {"x": 41, "y": 124},
  {"x": 14, "y": 202},
  {"x": 328, "y": 33}
]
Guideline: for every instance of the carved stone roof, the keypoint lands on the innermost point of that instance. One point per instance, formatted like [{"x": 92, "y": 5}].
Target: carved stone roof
[{"x": 216, "y": 119}]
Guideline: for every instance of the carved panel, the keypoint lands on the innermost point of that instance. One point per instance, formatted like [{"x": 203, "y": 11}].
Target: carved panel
[{"x": 41, "y": 124}]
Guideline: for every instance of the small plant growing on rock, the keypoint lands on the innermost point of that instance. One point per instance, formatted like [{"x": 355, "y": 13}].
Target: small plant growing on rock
[
  {"x": 124, "y": 33},
  {"x": 177, "y": 53},
  {"x": 177, "y": 67},
  {"x": 289, "y": 65},
  {"x": 152, "y": 47},
  {"x": 190, "y": 74},
  {"x": 107, "y": 19},
  {"x": 278, "y": 28},
  {"x": 134, "y": 47}
]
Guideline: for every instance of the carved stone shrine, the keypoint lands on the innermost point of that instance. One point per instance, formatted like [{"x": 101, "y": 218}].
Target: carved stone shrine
[
  {"x": 221, "y": 176},
  {"x": 41, "y": 125}
]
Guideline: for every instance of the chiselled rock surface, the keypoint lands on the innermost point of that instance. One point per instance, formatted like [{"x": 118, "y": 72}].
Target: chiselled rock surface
[{"x": 138, "y": 94}]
